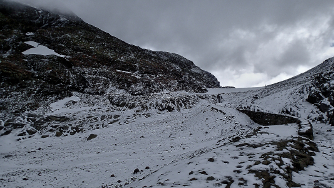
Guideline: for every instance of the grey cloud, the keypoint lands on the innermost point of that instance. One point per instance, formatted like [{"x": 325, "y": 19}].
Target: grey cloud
[{"x": 295, "y": 54}]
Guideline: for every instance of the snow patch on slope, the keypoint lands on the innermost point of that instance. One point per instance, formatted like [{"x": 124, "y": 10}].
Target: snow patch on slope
[
  {"x": 40, "y": 50},
  {"x": 59, "y": 106}
]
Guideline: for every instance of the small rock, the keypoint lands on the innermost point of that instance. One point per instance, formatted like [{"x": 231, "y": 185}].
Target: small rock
[
  {"x": 211, "y": 160},
  {"x": 59, "y": 133},
  {"x": 266, "y": 162},
  {"x": 203, "y": 172},
  {"x": 225, "y": 182},
  {"x": 91, "y": 136},
  {"x": 236, "y": 139},
  {"x": 210, "y": 178},
  {"x": 31, "y": 131},
  {"x": 22, "y": 134},
  {"x": 136, "y": 171},
  {"x": 257, "y": 163}
]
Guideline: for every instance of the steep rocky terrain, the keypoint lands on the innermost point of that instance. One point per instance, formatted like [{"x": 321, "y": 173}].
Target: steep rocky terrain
[{"x": 81, "y": 108}]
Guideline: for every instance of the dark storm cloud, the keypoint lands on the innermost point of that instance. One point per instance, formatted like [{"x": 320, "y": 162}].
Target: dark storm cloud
[{"x": 264, "y": 39}]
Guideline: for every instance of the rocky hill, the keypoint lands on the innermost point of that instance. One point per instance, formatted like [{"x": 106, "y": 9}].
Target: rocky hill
[{"x": 86, "y": 59}]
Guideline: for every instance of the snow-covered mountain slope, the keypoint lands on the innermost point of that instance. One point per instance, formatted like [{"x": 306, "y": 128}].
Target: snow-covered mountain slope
[
  {"x": 206, "y": 144},
  {"x": 93, "y": 111}
]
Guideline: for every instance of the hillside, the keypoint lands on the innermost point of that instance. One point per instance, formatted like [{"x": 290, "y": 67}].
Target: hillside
[
  {"x": 83, "y": 59},
  {"x": 81, "y": 108}
]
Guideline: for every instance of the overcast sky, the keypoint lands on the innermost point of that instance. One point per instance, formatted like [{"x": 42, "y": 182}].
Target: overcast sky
[{"x": 242, "y": 42}]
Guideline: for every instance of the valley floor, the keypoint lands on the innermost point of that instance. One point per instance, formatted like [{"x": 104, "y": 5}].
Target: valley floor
[{"x": 209, "y": 145}]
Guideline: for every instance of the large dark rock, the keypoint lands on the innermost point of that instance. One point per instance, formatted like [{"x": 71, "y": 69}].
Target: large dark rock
[
  {"x": 314, "y": 97},
  {"x": 264, "y": 118}
]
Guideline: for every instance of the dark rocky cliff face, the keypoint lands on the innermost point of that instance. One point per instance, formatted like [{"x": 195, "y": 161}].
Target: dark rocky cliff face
[{"x": 92, "y": 61}]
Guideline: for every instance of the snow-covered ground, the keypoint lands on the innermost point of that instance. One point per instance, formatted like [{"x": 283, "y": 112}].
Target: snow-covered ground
[
  {"x": 133, "y": 142},
  {"x": 208, "y": 145}
]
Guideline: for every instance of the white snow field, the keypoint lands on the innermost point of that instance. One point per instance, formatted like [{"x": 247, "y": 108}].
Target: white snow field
[{"x": 208, "y": 145}]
